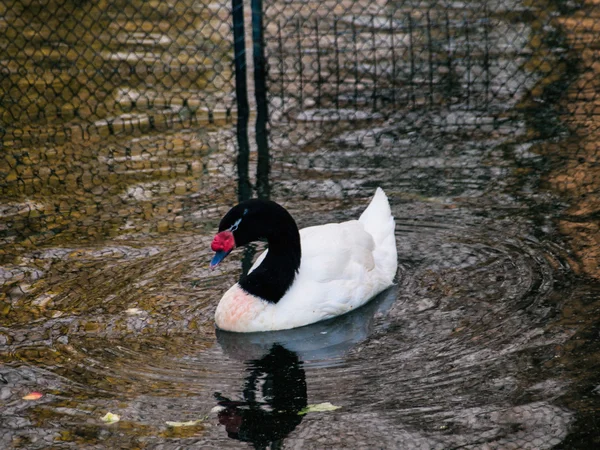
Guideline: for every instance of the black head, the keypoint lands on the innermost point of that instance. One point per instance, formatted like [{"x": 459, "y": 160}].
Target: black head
[{"x": 254, "y": 220}]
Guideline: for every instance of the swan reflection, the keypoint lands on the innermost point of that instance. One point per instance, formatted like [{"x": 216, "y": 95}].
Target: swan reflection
[{"x": 274, "y": 392}]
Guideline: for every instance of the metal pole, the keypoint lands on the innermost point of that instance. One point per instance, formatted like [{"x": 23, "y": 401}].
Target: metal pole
[
  {"x": 260, "y": 92},
  {"x": 241, "y": 93}
]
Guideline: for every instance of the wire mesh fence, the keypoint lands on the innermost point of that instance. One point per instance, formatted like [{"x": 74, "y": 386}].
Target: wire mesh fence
[
  {"x": 404, "y": 76},
  {"x": 91, "y": 62},
  {"x": 113, "y": 114},
  {"x": 130, "y": 105},
  {"x": 121, "y": 118}
]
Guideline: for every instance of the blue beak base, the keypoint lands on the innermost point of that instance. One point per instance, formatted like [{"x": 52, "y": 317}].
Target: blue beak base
[{"x": 219, "y": 256}]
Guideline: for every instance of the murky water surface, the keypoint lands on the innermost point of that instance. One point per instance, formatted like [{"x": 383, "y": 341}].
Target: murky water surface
[
  {"x": 468, "y": 349},
  {"x": 487, "y": 340}
]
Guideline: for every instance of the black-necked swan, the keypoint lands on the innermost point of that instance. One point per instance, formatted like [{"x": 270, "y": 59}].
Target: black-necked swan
[{"x": 307, "y": 275}]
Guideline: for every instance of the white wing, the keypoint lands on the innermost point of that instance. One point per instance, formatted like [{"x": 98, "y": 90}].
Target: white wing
[
  {"x": 343, "y": 265},
  {"x": 333, "y": 251}
]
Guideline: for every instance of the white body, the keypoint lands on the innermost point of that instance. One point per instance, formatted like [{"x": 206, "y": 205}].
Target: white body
[{"x": 343, "y": 266}]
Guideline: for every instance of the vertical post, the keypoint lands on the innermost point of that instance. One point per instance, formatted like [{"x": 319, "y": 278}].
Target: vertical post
[
  {"x": 430, "y": 58},
  {"x": 486, "y": 54},
  {"x": 300, "y": 67},
  {"x": 281, "y": 65},
  {"x": 393, "y": 48},
  {"x": 337, "y": 64},
  {"x": 374, "y": 52},
  {"x": 241, "y": 93},
  {"x": 411, "y": 83},
  {"x": 260, "y": 92},
  {"x": 468, "y": 58},
  {"x": 318, "y": 49},
  {"x": 355, "y": 61},
  {"x": 449, "y": 53}
]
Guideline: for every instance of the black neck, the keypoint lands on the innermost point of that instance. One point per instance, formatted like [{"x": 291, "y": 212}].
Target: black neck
[{"x": 271, "y": 280}]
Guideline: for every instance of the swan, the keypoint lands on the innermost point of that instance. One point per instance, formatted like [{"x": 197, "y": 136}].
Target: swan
[{"x": 307, "y": 275}]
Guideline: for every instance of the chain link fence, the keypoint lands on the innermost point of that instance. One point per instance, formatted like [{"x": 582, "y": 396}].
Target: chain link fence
[
  {"x": 116, "y": 116},
  {"x": 362, "y": 84},
  {"x": 120, "y": 118},
  {"x": 119, "y": 115}
]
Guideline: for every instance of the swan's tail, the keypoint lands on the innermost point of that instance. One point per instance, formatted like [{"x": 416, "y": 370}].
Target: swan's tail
[{"x": 379, "y": 222}]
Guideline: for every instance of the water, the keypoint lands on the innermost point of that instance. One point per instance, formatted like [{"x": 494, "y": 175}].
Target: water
[
  {"x": 467, "y": 349},
  {"x": 488, "y": 339}
]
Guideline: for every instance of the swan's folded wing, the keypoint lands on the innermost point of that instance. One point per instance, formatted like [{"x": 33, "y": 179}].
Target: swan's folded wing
[{"x": 336, "y": 251}]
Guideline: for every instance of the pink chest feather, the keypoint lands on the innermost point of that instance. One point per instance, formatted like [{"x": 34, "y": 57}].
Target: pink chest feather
[{"x": 237, "y": 309}]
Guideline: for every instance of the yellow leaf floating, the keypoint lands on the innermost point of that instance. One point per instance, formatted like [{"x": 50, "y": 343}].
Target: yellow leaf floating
[
  {"x": 189, "y": 423},
  {"x": 33, "y": 396},
  {"x": 110, "y": 418},
  {"x": 320, "y": 407}
]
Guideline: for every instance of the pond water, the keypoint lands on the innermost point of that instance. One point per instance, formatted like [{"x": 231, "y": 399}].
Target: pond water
[
  {"x": 469, "y": 349},
  {"x": 488, "y": 339}
]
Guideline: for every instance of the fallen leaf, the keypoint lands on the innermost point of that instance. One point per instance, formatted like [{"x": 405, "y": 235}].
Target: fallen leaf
[
  {"x": 33, "y": 396},
  {"x": 189, "y": 423},
  {"x": 321, "y": 407},
  {"x": 110, "y": 418},
  {"x": 134, "y": 311}
]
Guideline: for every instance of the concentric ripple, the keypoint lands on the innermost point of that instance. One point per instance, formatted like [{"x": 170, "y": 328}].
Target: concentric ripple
[
  {"x": 458, "y": 354},
  {"x": 449, "y": 357}
]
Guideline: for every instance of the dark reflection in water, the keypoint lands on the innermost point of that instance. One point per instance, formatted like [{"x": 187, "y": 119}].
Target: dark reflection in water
[
  {"x": 274, "y": 395},
  {"x": 275, "y": 390}
]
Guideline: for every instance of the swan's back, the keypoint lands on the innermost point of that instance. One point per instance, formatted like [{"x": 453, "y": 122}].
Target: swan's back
[
  {"x": 330, "y": 251},
  {"x": 343, "y": 265}
]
